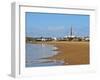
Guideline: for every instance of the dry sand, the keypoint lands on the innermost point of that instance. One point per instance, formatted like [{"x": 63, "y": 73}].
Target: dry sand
[{"x": 72, "y": 53}]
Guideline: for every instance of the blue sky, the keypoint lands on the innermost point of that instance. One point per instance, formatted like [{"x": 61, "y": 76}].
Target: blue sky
[{"x": 56, "y": 25}]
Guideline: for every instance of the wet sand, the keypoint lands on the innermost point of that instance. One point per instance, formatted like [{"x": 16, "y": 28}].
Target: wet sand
[{"x": 72, "y": 53}]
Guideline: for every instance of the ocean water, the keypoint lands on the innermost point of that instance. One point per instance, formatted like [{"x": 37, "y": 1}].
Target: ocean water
[{"x": 37, "y": 55}]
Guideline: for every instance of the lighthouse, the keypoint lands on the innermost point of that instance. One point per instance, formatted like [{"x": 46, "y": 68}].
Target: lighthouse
[{"x": 71, "y": 32}]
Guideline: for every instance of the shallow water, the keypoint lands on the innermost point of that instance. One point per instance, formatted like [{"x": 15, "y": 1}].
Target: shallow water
[{"x": 37, "y": 54}]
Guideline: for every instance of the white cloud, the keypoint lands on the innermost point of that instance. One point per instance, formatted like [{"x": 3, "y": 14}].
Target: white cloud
[{"x": 55, "y": 28}]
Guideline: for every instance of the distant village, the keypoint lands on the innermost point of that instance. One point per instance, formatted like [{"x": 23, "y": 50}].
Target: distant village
[{"x": 70, "y": 37}]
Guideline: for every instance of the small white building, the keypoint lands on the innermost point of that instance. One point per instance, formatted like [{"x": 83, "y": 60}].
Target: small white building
[
  {"x": 43, "y": 39},
  {"x": 54, "y": 38},
  {"x": 73, "y": 36}
]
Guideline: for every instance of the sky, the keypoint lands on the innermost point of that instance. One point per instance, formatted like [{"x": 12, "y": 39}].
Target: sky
[{"x": 56, "y": 25}]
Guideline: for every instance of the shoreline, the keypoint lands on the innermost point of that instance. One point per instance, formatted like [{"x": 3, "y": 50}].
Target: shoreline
[{"x": 72, "y": 53}]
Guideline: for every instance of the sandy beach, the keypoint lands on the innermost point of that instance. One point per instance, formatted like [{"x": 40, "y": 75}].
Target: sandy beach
[{"x": 72, "y": 53}]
